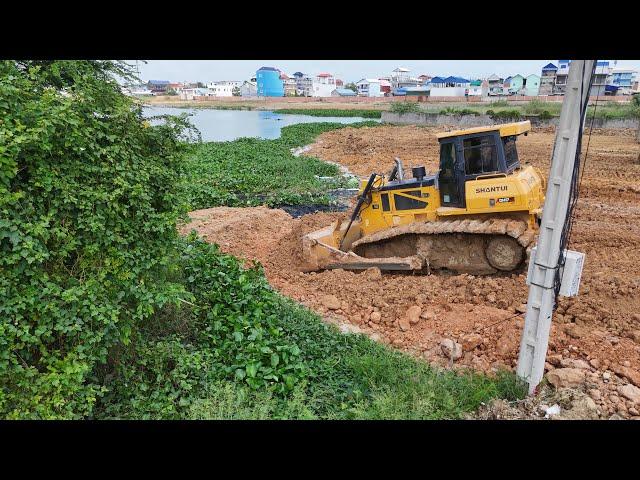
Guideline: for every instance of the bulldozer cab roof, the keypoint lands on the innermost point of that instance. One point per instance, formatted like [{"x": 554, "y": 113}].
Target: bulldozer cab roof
[{"x": 505, "y": 129}]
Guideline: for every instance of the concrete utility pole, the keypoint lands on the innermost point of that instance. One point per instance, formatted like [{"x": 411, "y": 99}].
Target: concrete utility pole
[{"x": 535, "y": 335}]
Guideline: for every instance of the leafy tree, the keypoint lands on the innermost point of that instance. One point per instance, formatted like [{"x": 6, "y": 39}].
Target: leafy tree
[
  {"x": 88, "y": 206},
  {"x": 200, "y": 85},
  {"x": 351, "y": 86}
]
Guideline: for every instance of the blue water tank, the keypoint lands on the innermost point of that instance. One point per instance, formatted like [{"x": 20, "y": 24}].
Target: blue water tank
[{"x": 269, "y": 83}]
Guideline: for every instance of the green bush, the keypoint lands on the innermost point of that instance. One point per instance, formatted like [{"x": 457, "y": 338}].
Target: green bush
[
  {"x": 458, "y": 111},
  {"x": 250, "y": 171},
  {"x": 506, "y": 115},
  {"x": 330, "y": 112},
  {"x": 88, "y": 204},
  {"x": 545, "y": 115},
  {"x": 402, "y": 107}
]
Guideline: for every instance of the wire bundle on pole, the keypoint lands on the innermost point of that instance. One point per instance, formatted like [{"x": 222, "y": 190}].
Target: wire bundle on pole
[{"x": 576, "y": 181}]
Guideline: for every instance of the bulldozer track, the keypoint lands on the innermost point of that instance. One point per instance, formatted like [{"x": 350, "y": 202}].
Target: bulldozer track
[
  {"x": 475, "y": 246},
  {"x": 517, "y": 229}
]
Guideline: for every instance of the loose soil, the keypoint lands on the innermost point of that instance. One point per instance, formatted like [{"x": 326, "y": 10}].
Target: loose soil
[{"x": 484, "y": 314}]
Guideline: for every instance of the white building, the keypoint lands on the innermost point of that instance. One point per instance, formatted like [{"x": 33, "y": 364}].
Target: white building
[
  {"x": 323, "y": 85},
  {"x": 223, "y": 88},
  {"x": 625, "y": 79},
  {"x": 369, "y": 87},
  {"x": 249, "y": 88},
  {"x": 191, "y": 93}
]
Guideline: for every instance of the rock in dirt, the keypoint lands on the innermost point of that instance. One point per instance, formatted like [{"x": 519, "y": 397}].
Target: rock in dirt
[
  {"x": 404, "y": 324},
  {"x": 471, "y": 341},
  {"x": 375, "y": 317},
  {"x": 555, "y": 360},
  {"x": 428, "y": 315},
  {"x": 413, "y": 314},
  {"x": 522, "y": 308},
  {"x": 582, "y": 408},
  {"x": 595, "y": 394},
  {"x": 506, "y": 344},
  {"x": 566, "y": 377},
  {"x": 376, "y": 337},
  {"x": 574, "y": 331},
  {"x": 373, "y": 273},
  {"x": 574, "y": 363},
  {"x": 348, "y": 328},
  {"x": 331, "y": 302},
  {"x": 630, "y": 392},
  {"x": 451, "y": 349},
  {"x": 626, "y": 372}
]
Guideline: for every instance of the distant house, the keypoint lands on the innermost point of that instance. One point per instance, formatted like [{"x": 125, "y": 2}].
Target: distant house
[
  {"x": 369, "y": 87},
  {"x": 625, "y": 79},
  {"x": 424, "y": 78},
  {"x": 421, "y": 92},
  {"x": 339, "y": 83},
  {"x": 515, "y": 84},
  {"x": 249, "y": 88},
  {"x": 547, "y": 79},
  {"x": 531, "y": 85},
  {"x": 192, "y": 93},
  {"x": 304, "y": 84},
  {"x": 385, "y": 87},
  {"x": 495, "y": 84},
  {"x": 343, "y": 92},
  {"x": 176, "y": 87},
  {"x": 223, "y": 88},
  {"x": 600, "y": 76},
  {"x": 269, "y": 83},
  {"x": 560, "y": 85},
  {"x": 450, "y": 86},
  {"x": 401, "y": 78},
  {"x": 289, "y": 85},
  {"x": 158, "y": 86},
  {"x": 475, "y": 88},
  {"x": 323, "y": 85}
]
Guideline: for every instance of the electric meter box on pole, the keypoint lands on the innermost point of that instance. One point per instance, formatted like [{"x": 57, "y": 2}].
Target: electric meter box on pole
[{"x": 574, "y": 261}]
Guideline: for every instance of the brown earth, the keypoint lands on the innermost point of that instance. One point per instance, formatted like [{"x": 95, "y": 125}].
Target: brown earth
[{"x": 483, "y": 314}]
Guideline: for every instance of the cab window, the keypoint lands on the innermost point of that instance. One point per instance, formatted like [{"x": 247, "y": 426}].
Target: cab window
[
  {"x": 510, "y": 152},
  {"x": 480, "y": 155}
]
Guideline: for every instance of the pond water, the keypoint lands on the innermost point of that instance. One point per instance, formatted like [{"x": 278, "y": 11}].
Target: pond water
[{"x": 225, "y": 125}]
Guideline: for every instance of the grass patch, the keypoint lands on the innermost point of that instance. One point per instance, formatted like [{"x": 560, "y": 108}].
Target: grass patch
[
  {"x": 249, "y": 172},
  {"x": 330, "y": 112}
]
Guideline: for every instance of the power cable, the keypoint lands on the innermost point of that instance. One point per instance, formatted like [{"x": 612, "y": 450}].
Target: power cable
[{"x": 576, "y": 179}]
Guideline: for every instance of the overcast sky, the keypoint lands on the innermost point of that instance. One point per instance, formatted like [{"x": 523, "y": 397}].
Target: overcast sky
[{"x": 347, "y": 70}]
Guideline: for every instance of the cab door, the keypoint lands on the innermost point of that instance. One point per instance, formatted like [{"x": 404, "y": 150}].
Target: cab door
[{"x": 451, "y": 175}]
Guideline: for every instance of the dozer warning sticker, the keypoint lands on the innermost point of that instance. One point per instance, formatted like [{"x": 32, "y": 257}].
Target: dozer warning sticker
[{"x": 495, "y": 188}]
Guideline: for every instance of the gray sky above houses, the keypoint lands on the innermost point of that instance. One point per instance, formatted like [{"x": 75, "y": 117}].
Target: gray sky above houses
[{"x": 347, "y": 70}]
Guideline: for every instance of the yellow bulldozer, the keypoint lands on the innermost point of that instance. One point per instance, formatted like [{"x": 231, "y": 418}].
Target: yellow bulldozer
[{"x": 479, "y": 214}]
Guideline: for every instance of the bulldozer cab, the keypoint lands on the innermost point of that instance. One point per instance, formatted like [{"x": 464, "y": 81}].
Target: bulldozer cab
[{"x": 466, "y": 155}]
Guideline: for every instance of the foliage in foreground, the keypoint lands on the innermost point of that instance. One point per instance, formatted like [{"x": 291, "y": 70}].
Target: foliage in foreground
[
  {"x": 243, "y": 351},
  {"x": 88, "y": 206},
  {"x": 249, "y": 171}
]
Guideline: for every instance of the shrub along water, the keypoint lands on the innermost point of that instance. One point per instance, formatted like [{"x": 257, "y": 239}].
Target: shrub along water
[
  {"x": 331, "y": 112},
  {"x": 251, "y": 171}
]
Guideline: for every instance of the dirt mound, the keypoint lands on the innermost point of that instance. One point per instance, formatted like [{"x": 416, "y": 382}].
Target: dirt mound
[{"x": 416, "y": 313}]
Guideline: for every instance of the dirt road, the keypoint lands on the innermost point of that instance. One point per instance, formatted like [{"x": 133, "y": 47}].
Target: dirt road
[{"x": 597, "y": 332}]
